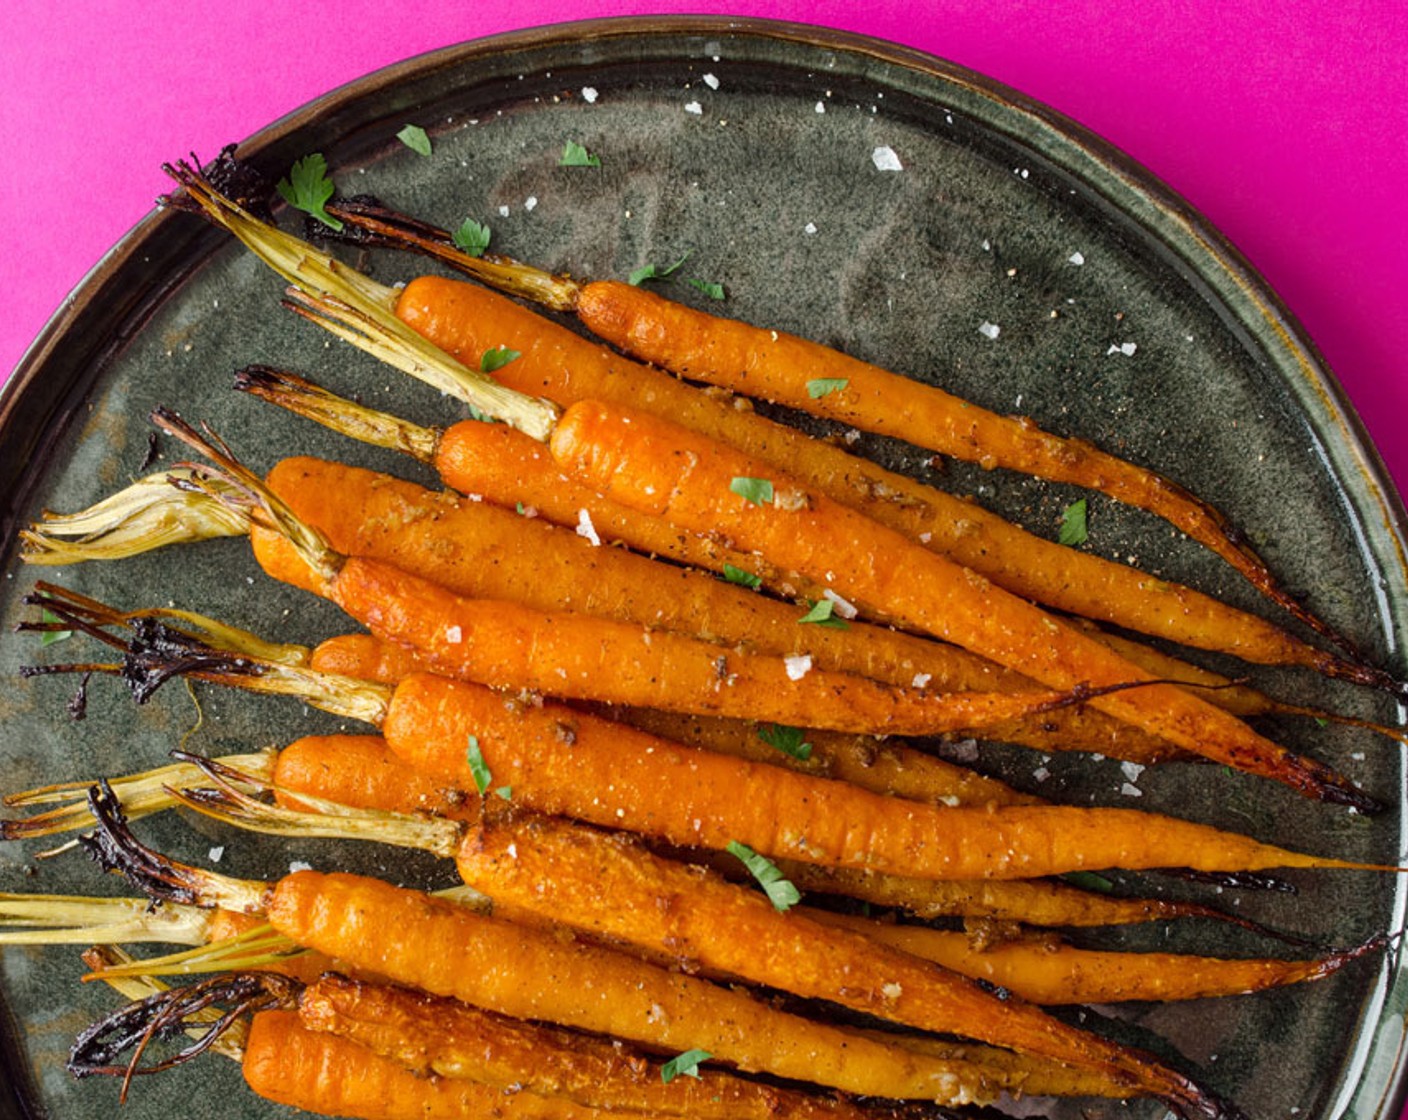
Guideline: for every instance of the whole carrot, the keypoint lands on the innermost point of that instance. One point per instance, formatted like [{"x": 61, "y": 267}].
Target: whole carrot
[{"x": 669, "y": 471}]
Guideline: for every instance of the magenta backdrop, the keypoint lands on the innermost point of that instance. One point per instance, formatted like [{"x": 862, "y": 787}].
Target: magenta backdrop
[{"x": 1284, "y": 122}]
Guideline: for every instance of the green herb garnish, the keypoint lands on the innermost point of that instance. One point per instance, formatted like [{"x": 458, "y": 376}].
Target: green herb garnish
[
  {"x": 686, "y": 1064},
  {"x": 497, "y": 358},
  {"x": 789, "y": 740},
  {"x": 472, "y": 237},
  {"x": 574, "y": 155},
  {"x": 823, "y": 613},
  {"x": 742, "y": 578},
  {"x": 1073, "y": 524},
  {"x": 821, "y": 386},
  {"x": 49, "y": 637},
  {"x": 650, "y": 272},
  {"x": 755, "y": 490},
  {"x": 1088, "y": 880},
  {"x": 780, "y": 892},
  {"x": 414, "y": 137},
  {"x": 308, "y": 188},
  {"x": 477, "y": 766},
  {"x": 708, "y": 287},
  {"x": 506, "y": 792}
]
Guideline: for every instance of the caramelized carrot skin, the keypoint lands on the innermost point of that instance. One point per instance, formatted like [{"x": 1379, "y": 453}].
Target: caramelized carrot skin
[
  {"x": 466, "y": 319},
  {"x": 603, "y": 883},
  {"x": 668, "y": 471},
  {"x": 434, "y": 1036},
  {"x": 505, "y": 645},
  {"x": 328, "y": 1075},
  {"x": 360, "y": 771},
  {"x": 448, "y": 950},
  {"x": 563, "y": 762}
]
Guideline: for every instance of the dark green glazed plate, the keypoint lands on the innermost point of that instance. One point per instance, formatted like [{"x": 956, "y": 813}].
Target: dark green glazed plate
[{"x": 1011, "y": 256}]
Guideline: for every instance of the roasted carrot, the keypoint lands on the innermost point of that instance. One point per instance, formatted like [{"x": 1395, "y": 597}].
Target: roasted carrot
[
  {"x": 556, "y": 759},
  {"x": 669, "y": 471},
  {"x": 700, "y": 911},
  {"x": 449, "y": 950},
  {"x": 780, "y": 367},
  {"x": 358, "y": 309},
  {"x": 1048, "y": 971}
]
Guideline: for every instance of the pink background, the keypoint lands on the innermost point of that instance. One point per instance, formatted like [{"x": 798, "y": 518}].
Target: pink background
[{"x": 1283, "y": 121}]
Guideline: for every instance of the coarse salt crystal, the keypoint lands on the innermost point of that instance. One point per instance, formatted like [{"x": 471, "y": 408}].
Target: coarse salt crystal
[
  {"x": 585, "y": 528},
  {"x": 989, "y": 330},
  {"x": 1132, "y": 770},
  {"x": 925, "y": 537},
  {"x": 843, "y": 608},
  {"x": 589, "y": 95},
  {"x": 216, "y": 853},
  {"x": 885, "y": 159},
  {"x": 821, "y": 106},
  {"x": 1041, "y": 773},
  {"x": 921, "y": 679},
  {"x": 530, "y": 202},
  {"x": 454, "y": 635},
  {"x": 891, "y": 990},
  {"x": 810, "y": 227},
  {"x": 711, "y": 81},
  {"x": 797, "y": 667},
  {"x": 1076, "y": 258},
  {"x": 512, "y": 850},
  {"x": 503, "y": 211},
  {"x": 298, "y": 865},
  {"x": 695, "y": 108},
  {"x": 1130, "y": 790},
  {"x": 1125, "y": 348}
]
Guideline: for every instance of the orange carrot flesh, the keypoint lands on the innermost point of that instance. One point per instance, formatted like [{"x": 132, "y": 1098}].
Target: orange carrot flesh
[
  {"x": 448, "y": 950},
  {"x": 596, "y": 882},
  {"x": 1051, "y": 973},
  {"x": 466, "y": 320},
  {"x": 359, "y": 770},
  {"x": 881, "y": 767},
  {"x": 505, "y": 645},
  {"x": 563, "y": 762},
  {"x": 777, "y": 366},
  {"x": 666, "y": 470},
  {"x": 442, "y": 1037},
  {"x": 331, "y": 1076}
]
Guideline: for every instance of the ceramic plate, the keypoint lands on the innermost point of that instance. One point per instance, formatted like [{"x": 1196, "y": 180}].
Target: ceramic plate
[{"x": 908, "y": 211}]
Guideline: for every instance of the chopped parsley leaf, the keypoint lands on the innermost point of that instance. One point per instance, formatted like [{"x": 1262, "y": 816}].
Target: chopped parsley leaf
[
  {"x": 472, "y": 237},
  {"x": 650, "y": 272},
  {"x": 687, "y": 1064},
  {"x": 574, "y": 155},
  {"x": 823, "y": 613},
  {"x": 821, "y": 386},
  {"x": 1073, "y": 524},
  {"x": 414, "y": 137},
  {"x": 789, "y": 740},
  {"x": 506, "y": 792},
  {"x": 49, "y": 637},
  {"x": 709, "y": 287},
  {"x": 477, "y": 766},
  {"x": 781, "y": 893},
  {"x": 308, "y": 188},
  {"x": 742, "y": 578},
  {"x": 497, "y": 358},
  {"x": 1088, "y": 880},
  {"x": 755, "y": 490}
]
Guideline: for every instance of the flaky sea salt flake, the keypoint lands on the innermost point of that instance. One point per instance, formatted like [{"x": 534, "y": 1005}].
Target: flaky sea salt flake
[
  {"x": 586, "y": 529},
  {"x": 885, "y": 159},
  {"x": 695, "y": 108},
  {"x": 797, "y": 667},
  {"x": 589, "y": 95},
  {"x": 989, "y": 330}
]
